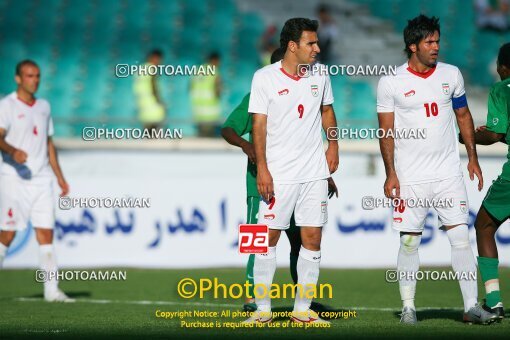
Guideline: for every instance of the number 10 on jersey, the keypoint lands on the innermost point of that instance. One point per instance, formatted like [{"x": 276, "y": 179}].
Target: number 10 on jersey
[{"x": 431, "y": 109}]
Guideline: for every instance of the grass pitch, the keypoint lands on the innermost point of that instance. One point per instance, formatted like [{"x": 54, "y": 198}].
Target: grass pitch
[{"x": 128, "y": 308}]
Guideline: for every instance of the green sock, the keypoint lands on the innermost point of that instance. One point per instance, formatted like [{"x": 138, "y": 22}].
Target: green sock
[
  {"x": 293, "y": 267},
  {"x": 489, "y": 269},
  {"x": 249, "y": 273}
]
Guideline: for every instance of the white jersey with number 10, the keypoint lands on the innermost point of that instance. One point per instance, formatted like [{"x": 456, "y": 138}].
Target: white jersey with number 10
[{"x": 424, "y": 101}]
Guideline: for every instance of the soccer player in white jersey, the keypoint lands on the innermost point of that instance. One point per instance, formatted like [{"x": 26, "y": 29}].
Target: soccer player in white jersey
[
  {"x": 26, "y": 176},
  {"x": 428, "y": 94},
  {"x": 289, "y": 110}
]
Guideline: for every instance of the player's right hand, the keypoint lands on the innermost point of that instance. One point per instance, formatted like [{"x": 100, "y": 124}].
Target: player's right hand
[
  {"x": 63, "y": 185},
  {"x": 19, "y": 156},
  {"x": 390, "y": 184},
  {"x": 474, "y": 169},
  {"x": 332, "y": 189},
  {"x": 265, "y": 184},
  {"x": 249, "y": 150}
]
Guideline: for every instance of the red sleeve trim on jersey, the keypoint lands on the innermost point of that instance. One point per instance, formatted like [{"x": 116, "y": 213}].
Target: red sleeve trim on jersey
[
  {"x": 423, "y": 75},
  {"x": 27, "y": 103},
  {"x": 296, "y": 77}
]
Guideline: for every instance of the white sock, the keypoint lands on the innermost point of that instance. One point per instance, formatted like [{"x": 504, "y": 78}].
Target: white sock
[
  {"x": 48, "y": 264},
  {"x": 3, "y": 251},
  {"x": 409, "y": 262},
  {"x": 263, "y": 273},
  {"x": 308, "y": 273},
  {"x": 463, "y": 261}
]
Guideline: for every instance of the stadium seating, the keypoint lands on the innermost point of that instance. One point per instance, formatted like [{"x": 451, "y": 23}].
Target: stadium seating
[
  {"x": 462, "y": 44},
  {"x": 78, "y": 44}
]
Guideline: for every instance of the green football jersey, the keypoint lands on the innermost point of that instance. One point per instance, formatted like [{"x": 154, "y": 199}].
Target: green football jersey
[
  {"x": 498, "y": 116},
  {"x": 242, "y": 123}
]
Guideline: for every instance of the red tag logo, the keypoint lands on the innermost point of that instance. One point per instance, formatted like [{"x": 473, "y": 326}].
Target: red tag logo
[
  {"x": 253, "y": 238},
  {"x": 35, "y": 130},
  {"x": 410, "y": 93},
  {"x": 9, "y": 213}
]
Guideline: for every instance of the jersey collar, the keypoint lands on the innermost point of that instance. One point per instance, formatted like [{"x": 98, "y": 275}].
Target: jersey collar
[
  {"x": 26, "y": 103},
  {"x": 423, "y": 75},
  {"x": 293, "y": 77}
]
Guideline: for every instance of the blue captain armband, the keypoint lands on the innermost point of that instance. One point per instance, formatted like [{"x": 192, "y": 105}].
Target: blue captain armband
[{"x": 459, "y": 102}]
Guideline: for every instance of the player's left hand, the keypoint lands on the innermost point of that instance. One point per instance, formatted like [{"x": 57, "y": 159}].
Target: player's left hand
[
  {"x": 478, "y": 129},
  {"x": 64, "y": 186},
  {"x": 474, "y": 169},
  {"x": 332, "y": 189},
  {"x": 332, "y": 158},
  {"x": 249, "y": 150}
]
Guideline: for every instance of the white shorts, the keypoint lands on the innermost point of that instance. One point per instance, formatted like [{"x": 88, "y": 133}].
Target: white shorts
[
  {"x": 449, "y": 199},
  {"x": 26, "y": 200},
  {"x": 308, "y": 201}
]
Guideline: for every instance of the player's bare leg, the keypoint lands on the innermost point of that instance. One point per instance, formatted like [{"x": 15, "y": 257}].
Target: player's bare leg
[
  {"x": 6, "y": 237},
  {"x": 48, "y": 263},
  {"x": 44, "y": 236},
  {"x": 263, "y": 273},
  {"x": 408, "y": 262},
  {"x": 486, "y": 227},
  {"x": 308, "y": 274},
  {"x": 294, "y": 237}
]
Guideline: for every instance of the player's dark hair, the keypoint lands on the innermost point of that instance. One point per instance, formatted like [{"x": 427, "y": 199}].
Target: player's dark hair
[
  {"x": 322, "y": 8},
  {"x": 24, "y": 63},
  {"x": 155, "y": 53},
  {"x": 418, "y": 29},
  {"x": 277, "y": 55},
  {"x": 213, "y": 56},
  {"x": 293, "y": 29},
  {"x": 504, "y": 55}
]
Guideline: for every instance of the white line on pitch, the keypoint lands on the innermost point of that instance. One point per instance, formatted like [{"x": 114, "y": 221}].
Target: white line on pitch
[
  {"x": 141, "y": 302},
  {"x": 231, "y": 305}
]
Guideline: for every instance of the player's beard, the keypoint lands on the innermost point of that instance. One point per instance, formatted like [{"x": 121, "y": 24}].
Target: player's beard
[
  {"x": 31, "y": 89},
  {"x": 428, "y": 61}
]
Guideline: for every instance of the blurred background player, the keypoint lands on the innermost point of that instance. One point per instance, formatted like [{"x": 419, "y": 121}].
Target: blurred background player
[
  {"x": 239, "y": 123},
  {"x": 328, "y": 33},
  {"x": 268, "y": 45},
  {"x": 495, "y": 207},
  {"x": 205, "y": 93},
  {"x": 151, "y": 110},
  {"x": 427, "y": 94},
  {"x": 288, "y": 113},
  {"x": 29, "y": 156},
  {"x": 492, "y": 14}
]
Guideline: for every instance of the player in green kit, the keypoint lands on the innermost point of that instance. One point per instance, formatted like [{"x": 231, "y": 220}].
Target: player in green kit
[
  {"x": 239, "y": 123},
  {"x": 495, "y": 207}
]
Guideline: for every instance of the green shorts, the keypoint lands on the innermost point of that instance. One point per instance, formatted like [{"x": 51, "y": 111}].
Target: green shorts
[
  {"x": 253, "y": 210},
  {"x": 497, "y": 200}
]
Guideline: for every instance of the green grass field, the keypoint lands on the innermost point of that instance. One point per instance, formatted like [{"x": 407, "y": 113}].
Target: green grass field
[{"x": 128, "y": 308}]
